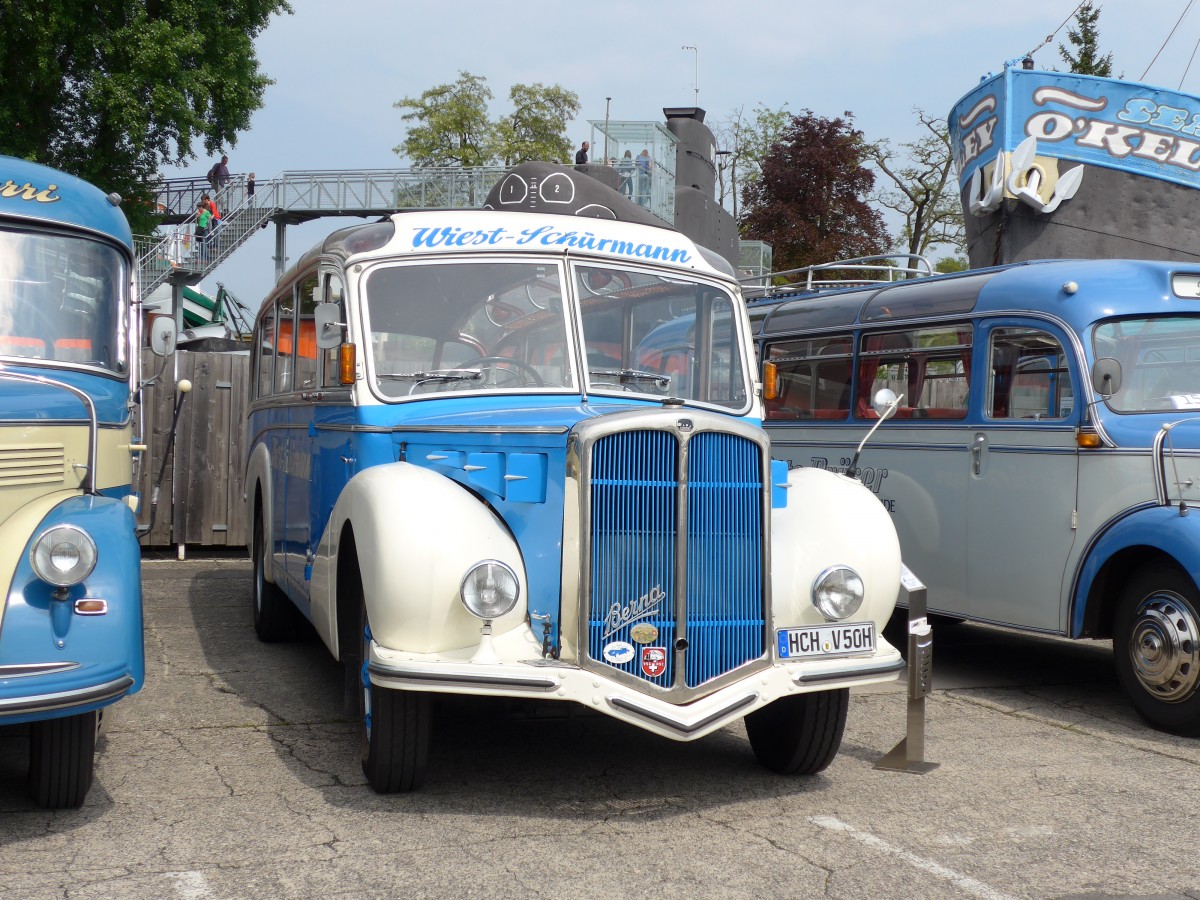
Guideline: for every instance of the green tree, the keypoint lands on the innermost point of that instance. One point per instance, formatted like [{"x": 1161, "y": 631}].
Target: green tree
[
  {"x": 111, "y": 91},
  {"x": 451, "y": 124},
  {"x": 923, "y": 188},
  {"x": 809, "y": 201},
  {"x": 1087, "y": 59},
  {"x": 950, "y": 264},
  {"x": 536, "y": 129},
  {"x": 743, "y": 140}
]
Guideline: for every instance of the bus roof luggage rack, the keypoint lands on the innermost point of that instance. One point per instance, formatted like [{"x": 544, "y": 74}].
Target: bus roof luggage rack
[{"x": 839, "y": 274}]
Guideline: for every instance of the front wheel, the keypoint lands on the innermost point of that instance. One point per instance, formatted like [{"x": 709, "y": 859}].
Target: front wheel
[
  {"x": 61, "y": 760},
  {"x": 394, "y": 729},
  {"x": 799, "y": 735},
  {"x": 1156, "y": 639}
]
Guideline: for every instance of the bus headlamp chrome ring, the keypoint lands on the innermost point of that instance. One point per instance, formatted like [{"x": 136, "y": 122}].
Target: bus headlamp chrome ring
[
  {"x": 490, "y": 589},
  {"x": 63, "y": 556},
  {"x": 838, "y": 592}
]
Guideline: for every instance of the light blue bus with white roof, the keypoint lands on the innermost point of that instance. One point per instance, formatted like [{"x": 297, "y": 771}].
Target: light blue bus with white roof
[
  {"x": 482, "y": 460},
  {"x": 1043, "y": 467}
]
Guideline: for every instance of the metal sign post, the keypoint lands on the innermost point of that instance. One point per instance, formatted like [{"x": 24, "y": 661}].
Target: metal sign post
[{"x": 909, "y": 754}]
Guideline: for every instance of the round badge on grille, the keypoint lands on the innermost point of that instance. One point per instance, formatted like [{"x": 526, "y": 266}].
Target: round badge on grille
[{"x": 643, "y": 633}]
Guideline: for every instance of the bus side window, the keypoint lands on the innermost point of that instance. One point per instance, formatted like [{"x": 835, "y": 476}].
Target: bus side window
[
  {"x": 930, "y": 367},
  {"x": 305, "y": 377},
  {"x": 264, "y": 345},
  {"x": 812, "y": 378},
  {"x": 1028, "y": 376},
  {"x": 285, "y": 348},
  {"x": 331, "y": 376}
]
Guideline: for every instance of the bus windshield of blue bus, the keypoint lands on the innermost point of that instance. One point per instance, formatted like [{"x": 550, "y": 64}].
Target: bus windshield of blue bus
[
  {"x": 1160, "y": 362},
  {"x": 62, "y": 299},
  {"x": 488, "y": 325}
]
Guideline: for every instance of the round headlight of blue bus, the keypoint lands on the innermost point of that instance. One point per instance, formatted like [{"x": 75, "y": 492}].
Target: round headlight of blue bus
[
  {"x": 838, "y": 593},
  {"x": 490, "y": 589},
  {"x": 63, "y": 556}
]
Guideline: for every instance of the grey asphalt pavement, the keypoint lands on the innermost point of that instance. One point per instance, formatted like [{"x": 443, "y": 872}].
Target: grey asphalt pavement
[{"x": 234, "y": 773}]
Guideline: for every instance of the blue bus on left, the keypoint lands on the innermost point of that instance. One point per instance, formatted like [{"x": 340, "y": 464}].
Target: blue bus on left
[{"x": 71, "y": 616}]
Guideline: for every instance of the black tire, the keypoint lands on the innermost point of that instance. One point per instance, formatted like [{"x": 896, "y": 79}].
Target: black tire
[
  {"x": 1156, "y": 640},
  {"x": 799, "y": 735},
  {"x": 394, "y": 730},
  {"x": 273, "y": 616},
  {"x": 62, "y": 755}
]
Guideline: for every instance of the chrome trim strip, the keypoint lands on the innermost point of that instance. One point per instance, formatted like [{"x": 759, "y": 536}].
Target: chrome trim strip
[
  {"x": 65, "y": 699},
  {"x": 675, "y": 724},
  {"x": 881, "y": 669},
  {"x": 456, "y": 679},
  {"x": 20, "y": 670}
]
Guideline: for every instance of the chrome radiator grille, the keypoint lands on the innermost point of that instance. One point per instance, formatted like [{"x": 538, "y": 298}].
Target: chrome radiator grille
[{"x": 675, "y": 530}]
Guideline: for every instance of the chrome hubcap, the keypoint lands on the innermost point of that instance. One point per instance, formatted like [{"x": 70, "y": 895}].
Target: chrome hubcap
[{"x": 1164, "y": 647}]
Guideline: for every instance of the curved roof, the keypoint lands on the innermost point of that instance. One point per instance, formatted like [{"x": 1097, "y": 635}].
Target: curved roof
[{"x": 41, "y": 194}]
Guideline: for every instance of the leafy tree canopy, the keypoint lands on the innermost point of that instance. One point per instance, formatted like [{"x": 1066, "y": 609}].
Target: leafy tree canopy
[
  {"x": 809, "y": 201},
  {"x": 450, "y": 124},
  {"x": 922, "y": 187},
  {"x": 1086, "y": 60},
  {"x": 745, "y": 138},
  {"x": 114, "y": 89}
]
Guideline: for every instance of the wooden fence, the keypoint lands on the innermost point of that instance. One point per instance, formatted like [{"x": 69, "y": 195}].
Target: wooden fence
[{"x": 197, "y": 478}]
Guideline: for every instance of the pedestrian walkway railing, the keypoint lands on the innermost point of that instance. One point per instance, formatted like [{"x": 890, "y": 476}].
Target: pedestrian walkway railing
[{"x": 293, "y": 196}]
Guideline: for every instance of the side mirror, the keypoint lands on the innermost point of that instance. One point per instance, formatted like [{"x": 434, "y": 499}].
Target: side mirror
[
  {"x": 1106, "y": 376},
  {"x": 162, "y": 335},
  {"x": 329, "y": 326},
  {"x": 885, "y": 402}
]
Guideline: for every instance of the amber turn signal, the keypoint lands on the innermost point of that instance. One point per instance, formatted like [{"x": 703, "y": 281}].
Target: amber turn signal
[
  {"x": 346, "y": 363},
  {"x": 770, "y": 381},
  {"x": 1087, "y": 439}
]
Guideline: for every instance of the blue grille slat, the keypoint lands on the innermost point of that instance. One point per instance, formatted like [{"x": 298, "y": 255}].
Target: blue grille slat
[{"x": 635, "y": 539}]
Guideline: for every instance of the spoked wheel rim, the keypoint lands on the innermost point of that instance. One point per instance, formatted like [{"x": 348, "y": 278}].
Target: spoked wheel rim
[{"x": 1164, "y": 646}]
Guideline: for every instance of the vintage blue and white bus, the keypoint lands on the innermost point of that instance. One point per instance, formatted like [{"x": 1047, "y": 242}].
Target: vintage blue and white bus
[
  {"x": 71, "y": 618},
  {"x": 480, "y": 461},
  {"x": 1043, "y": 468}
]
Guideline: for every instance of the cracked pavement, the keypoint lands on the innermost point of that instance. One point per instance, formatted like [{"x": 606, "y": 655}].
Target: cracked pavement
[{"x": 235, "y": 773}]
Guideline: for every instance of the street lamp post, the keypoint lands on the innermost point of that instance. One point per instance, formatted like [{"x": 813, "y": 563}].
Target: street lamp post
[
  {"x": 607, "y": 101},
  {"x": 696, "y": 52}
]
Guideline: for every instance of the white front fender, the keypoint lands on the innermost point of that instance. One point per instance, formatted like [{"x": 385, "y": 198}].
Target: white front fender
[
  {"x": 416, "y": 533},
  {"x": 830, "y": 520}
]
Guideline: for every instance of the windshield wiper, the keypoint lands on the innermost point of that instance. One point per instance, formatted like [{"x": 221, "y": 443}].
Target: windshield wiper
[
  {"x": 456, "y": 375},
  {"x": 624, "y": 376}
]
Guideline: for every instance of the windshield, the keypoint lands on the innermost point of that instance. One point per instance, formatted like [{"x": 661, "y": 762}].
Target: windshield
[
  {"x": 1160, "y": 362},
  {"x": 467, "y": 326},
  {"x": 61, "y": 299},
  {"x": 646, "y": 333},
  {"x": 502, "y": 326}
]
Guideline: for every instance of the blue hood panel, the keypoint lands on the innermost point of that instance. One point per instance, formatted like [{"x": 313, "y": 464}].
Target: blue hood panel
[{"x": 23, "y": 400}]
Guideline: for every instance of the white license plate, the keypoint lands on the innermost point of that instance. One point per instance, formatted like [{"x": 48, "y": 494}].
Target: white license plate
[{"x": 824, "y": 641}]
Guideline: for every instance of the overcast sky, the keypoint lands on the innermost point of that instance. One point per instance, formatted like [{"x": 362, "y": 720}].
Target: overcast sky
[{"x": 340, "y": 67}]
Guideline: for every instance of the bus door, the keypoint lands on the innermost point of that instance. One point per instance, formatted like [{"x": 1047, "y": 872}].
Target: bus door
[
  {"x": 916, "y": 462},
  {"x": 330, "y": 446},
  {"x": 1023, "y": 464},
  {"x": 300, "y": 429}
]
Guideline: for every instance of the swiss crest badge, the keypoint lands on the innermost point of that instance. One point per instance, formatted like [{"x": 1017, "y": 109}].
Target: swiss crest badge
[{"x": 654, "y": 661}]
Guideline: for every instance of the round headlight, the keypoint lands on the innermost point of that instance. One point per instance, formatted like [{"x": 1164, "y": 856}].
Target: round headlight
[
  {"x": 63, "y": 556},
  {"x": 490, "y": 589},
  {"x": 838, "y": 592}
]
